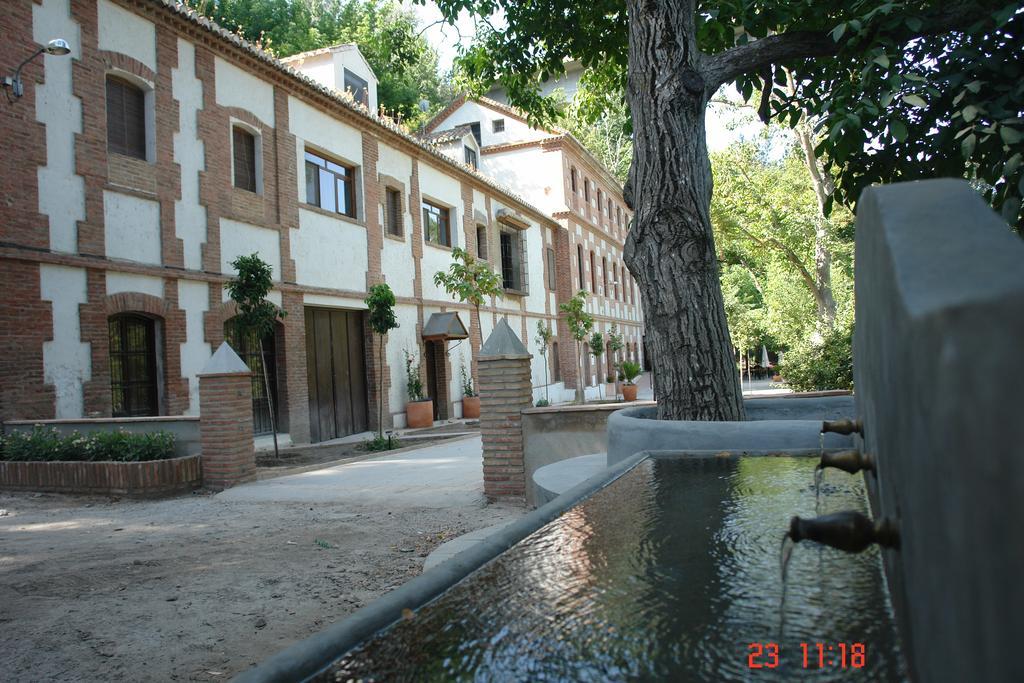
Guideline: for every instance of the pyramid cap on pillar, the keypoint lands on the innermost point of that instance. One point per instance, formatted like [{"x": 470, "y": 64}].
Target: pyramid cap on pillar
[
  {"x": 225, "y": 362},
  {"x": 503, "y": 343}
]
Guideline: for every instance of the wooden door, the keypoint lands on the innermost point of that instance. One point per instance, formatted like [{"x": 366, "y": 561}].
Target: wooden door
[{"x": 336, "y": 369}]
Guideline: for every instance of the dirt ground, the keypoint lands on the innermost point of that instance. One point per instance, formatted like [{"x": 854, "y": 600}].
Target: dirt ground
[
  {"x": 312, "y": 455},
  {"x": 194, "y": 588}
]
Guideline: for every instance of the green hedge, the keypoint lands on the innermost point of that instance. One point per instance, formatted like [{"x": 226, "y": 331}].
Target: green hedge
[
  {"x": 43, "y": 444},
  {"x": 828, "y": 365}
]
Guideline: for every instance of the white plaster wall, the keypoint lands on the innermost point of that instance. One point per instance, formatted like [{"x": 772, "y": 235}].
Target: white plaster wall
[
  {"x": 66, "y": 359},
  {"x": 242, "y": 239},
  {"x": 395, "y": 164},
  {"x": 126, "y": 32},
  {"x": 533, "y": 174},
  {"x": 131, "y": 228},
  {"x": 329, "y": 252},
  {"x": 399, "y": 269},
  {"x": 190, "y": 154},
  {"x": 238, "y": 88},
  {"x": 319, "y": 67},
  {"x": 61, "y": 113},
  {"x": 194, "y": 299},
  {"x": 403, "y": 337},
  {"x": 325, "y": 132},
  {"x": 471, "y": 112},
  {"x": 130, "y": 282}
]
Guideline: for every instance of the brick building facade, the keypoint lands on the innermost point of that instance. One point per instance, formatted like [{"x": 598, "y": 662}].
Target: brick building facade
[{"x": 140, "y": 165}]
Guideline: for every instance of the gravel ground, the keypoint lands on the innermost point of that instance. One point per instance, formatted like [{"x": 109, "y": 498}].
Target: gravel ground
[{"x": 194, "y": 588}]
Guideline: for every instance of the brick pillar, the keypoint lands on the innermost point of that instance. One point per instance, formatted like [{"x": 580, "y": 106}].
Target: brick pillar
[
  {"x": 505, "y": 390},
  {"x": 225, "y": 421}
]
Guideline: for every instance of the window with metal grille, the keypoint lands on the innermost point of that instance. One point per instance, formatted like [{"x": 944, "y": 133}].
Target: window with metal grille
[
  {"x": 498, "y": 126},
  {"x": 609, "y": 208},
  {"x": 481, "y": 242},
  {"x": 133, "y": 380},
  {"x": 593, "y": 273},
  {"x": 330, "y": 185},
  {"x": 552, "y": 280},
  {"x": 437, "y": 224},
  {"x": 470, "y": 155},
  {"x": 618, "y": 215},
  {"x": 586, "y": 189},
  {"x": 604, "y": 274},
  {"x": 615, "y": 279},
  {"x": 393, "y": 211},
  {"x": 126, "y": 118},
  {"x": 243, "y": 145},
  {"x": 514, "y": 275},
  {"x": 600, "y": 202},
  {"x": 247, "y": 345},
  {"x": 572, "y": 179}
]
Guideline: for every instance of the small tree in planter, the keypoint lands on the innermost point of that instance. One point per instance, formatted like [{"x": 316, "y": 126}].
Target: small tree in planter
[
  {"x": 580, "y": 323},
  {"x": 596, "y": 344},
  {"x": 381, "y": 304},
  {"x": 615, "y": 345},
  {"x": 630, "y": 371},
  {"x": 543, "y": 340},
  {"x": 256, "y": 315},
  {"x": 470, "y": 280},
  {"x": 470, "y": 400},
  {"x": 419, "y": 411}
]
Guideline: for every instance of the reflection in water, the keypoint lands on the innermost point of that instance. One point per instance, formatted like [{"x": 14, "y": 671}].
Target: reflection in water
[{"x": 670, "y": 572}]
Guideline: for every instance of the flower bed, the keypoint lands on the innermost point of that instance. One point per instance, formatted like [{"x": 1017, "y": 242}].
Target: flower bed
[{"x": 117, "y": 462}]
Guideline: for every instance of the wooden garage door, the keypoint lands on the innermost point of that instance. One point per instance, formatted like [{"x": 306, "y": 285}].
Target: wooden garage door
[{"x": 336, "y": 368}]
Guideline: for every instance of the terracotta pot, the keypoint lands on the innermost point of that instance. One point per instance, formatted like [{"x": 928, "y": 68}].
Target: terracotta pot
[
  {"x": 470, "y": 407},
  {"x": 419, "y": 414},
  {"x": 629, "y": 392}
]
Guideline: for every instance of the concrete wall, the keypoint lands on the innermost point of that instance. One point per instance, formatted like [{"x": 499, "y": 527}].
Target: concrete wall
[
  {"x": 184, "y": 429},
  {"x": 937, "y": 359}
]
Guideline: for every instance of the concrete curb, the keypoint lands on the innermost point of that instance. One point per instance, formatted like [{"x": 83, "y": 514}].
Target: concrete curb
[{"x": 312, "y": 655}]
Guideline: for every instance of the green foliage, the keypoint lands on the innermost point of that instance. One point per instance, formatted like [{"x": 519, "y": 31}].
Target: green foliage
[
  {"x": 900, "y": 90},
  {"x": 542, "y": 403},
  {"x": 249, "y": 290},
  {"x": 467, "y": 382},
  {"x": 543, "y": 338},
  {"x": 603, "y": 126},
  {"x": 596, "y": 344},
  {"x": 381, "y": 304},
  {"x": 386, "y": 33},
  {"x": 576, "y": 317},
  {"x": 630, "y": 371},
  {"x": 469, "y": 279},
  {"x": 381, "y": 443},
  {"x": 48, "y": 445},
  {"x": 817, "y": 367},
  {"x": 413, "y": 383}
]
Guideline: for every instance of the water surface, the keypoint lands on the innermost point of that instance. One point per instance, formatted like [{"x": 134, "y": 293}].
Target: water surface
[{"x": 670, "y": 572}]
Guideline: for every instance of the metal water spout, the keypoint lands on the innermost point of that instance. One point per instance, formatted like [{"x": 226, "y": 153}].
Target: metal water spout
[
  {"x": 851, "y": 461},
  {"x": 842, "y": 427},
  {"x": 849, "y": 531}
]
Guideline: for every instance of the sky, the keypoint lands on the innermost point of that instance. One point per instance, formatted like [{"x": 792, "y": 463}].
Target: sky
[{"x": 445, "y": 39}]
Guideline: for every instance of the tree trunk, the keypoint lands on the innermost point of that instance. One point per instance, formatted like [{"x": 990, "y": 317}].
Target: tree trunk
[
  {"x": 581, "y": 387},
  {"x": 670, "y": 249},
  {"x": 270, "y": 399},
  {"x": 381, "y": 388}
]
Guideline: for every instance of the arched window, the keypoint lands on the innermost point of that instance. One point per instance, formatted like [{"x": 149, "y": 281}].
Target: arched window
[
  {"x": 579, "y": 264},
  {"x": 126, "y": 118},
  {"x": 615, "y": 278},
  {"x": 593, "y": 273},
  {"x": 133, "y": 365},
  {"x": 247, "y": 346},
  {"x": 604, "y": 274}
]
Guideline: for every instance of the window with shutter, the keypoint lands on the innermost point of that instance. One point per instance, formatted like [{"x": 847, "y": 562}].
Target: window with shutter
[
  {"x": 244, "y": 147},
  {"x": 551, "y": 269},
  {"x": 393, "y": 199},
  {"x": 481, "y": 242},
  {"x": 126, "y": 118}
]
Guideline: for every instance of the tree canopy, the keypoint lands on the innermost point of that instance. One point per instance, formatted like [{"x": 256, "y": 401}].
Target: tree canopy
[
  {"x": 900, "y": 90},
  {"x": 386, "y": 33}
]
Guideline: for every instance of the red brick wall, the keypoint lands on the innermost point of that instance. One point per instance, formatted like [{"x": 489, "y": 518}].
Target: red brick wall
[{"x": 225, "y": 429}]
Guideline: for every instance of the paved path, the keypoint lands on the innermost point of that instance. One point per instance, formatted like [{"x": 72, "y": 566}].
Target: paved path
[{"x": 446, "y": 475}]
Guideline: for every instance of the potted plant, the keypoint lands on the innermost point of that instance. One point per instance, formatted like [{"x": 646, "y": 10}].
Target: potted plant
[
  {"x": 419, "y": 411},
  {"x": 470, "y": 400},
  {"x": 630, "y": 371}
]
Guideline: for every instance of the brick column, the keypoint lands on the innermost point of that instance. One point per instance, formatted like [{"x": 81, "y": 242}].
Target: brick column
[
  {"x": 505, "y": 390},
  {"x": 225, "y": 421}
]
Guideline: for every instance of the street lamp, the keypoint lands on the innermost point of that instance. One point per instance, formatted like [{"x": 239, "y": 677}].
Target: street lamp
[{"x": 57, "y": 46}]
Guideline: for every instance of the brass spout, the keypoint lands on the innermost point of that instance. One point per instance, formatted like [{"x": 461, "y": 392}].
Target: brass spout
[
  {"x": 849, "y": 531},
  {"x": 842, "y": 427},
  {"x": 848, "y": 461}
]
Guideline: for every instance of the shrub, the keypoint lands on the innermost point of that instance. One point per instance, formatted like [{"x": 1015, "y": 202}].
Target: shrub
[
  {"x": 828, "y": 365},
  {"x": 50, "y": 445},
  {"x": 381, "y": 443},
  {"x": 630, "y": 371},
  {"x": 542, "y": 403}
]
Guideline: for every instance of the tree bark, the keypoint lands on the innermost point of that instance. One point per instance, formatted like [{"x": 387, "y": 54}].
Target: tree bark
[{"x": 670, "y": 249}]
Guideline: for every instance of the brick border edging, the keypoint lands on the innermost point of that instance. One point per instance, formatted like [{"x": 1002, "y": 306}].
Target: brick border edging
[{"x": 150, "y": 478}]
